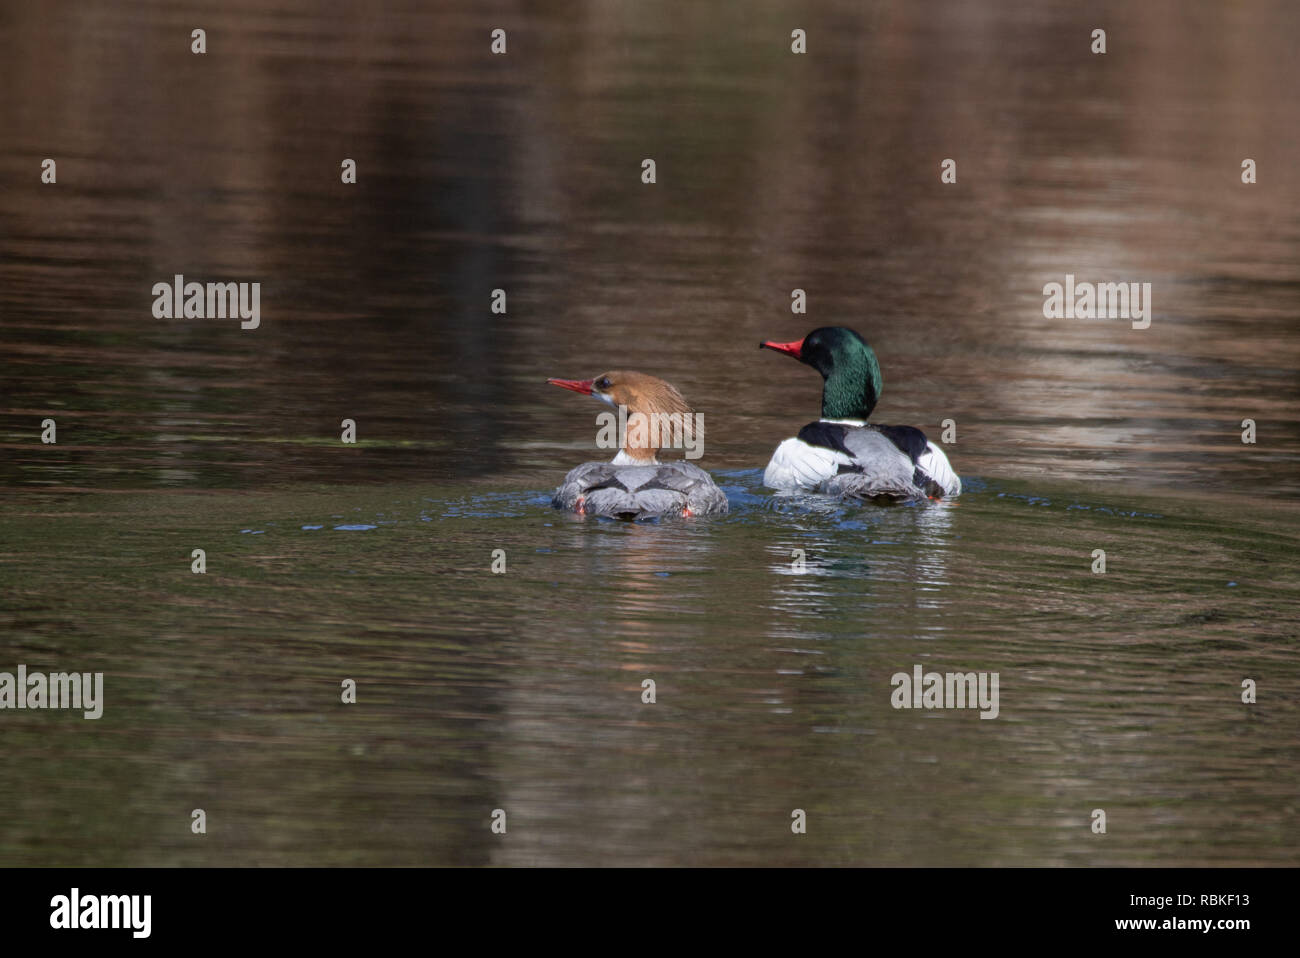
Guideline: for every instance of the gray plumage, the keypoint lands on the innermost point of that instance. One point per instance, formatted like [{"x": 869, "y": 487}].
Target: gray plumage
[
  {"x": 640, "y": 492},
  {"x": 881, "y": 470}
]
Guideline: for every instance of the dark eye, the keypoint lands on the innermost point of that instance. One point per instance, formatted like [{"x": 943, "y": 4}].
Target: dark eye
[{"x": 603, "y": 383}]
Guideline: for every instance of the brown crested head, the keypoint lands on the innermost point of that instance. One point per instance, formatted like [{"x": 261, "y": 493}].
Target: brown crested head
[{"x": 640, "y": 393}]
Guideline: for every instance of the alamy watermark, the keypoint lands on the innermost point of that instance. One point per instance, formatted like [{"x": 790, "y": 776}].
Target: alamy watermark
[
  {"x": 58, "y": 690},
  {"x": 950, "y": 690},
  {"x": 1098, "y": 301},
  {"x": 181, "y": 300},
  {"x": 78, "y": 911},
  {"x": 658, "y": 430}
]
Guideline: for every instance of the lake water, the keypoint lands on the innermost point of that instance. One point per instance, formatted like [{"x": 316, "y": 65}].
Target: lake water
[{"x": 522, "y": 691}]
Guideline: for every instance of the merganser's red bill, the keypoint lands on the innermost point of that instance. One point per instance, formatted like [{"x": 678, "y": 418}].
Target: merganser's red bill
[
  {"x": 577, "y": 385},
  {"x": 794, "y": 349}
]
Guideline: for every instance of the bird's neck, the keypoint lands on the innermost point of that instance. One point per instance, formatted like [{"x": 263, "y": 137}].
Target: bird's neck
[
  {"x": 656, "y": 415},
  {"x": 635, "y": 457},
  {"x": 852, "y": 388}
]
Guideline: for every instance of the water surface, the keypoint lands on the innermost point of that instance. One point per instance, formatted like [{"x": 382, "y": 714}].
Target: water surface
[{"x": 522, "y": 690}]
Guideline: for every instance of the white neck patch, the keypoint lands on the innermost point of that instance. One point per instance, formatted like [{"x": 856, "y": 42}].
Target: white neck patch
[{"x": 623, "y": 459}]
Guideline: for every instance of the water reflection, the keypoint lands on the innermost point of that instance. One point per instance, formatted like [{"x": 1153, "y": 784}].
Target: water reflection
[{"x": 523, "y": 690}]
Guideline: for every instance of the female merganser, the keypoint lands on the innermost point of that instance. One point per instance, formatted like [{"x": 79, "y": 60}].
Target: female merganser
[
  {"x": 841, "y": 454},
  {"x": 635, "y": 485}
]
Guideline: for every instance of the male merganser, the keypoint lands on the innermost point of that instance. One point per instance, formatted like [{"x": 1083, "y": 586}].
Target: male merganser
[
  {"x": 635, "y": 485},
  {"x": 841, "y": 454}
]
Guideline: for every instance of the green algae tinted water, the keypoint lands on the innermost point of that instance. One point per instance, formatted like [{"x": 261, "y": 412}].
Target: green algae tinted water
[
  {"x": 771, "y": 634},
  {"x": 522, "y": 690}
]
